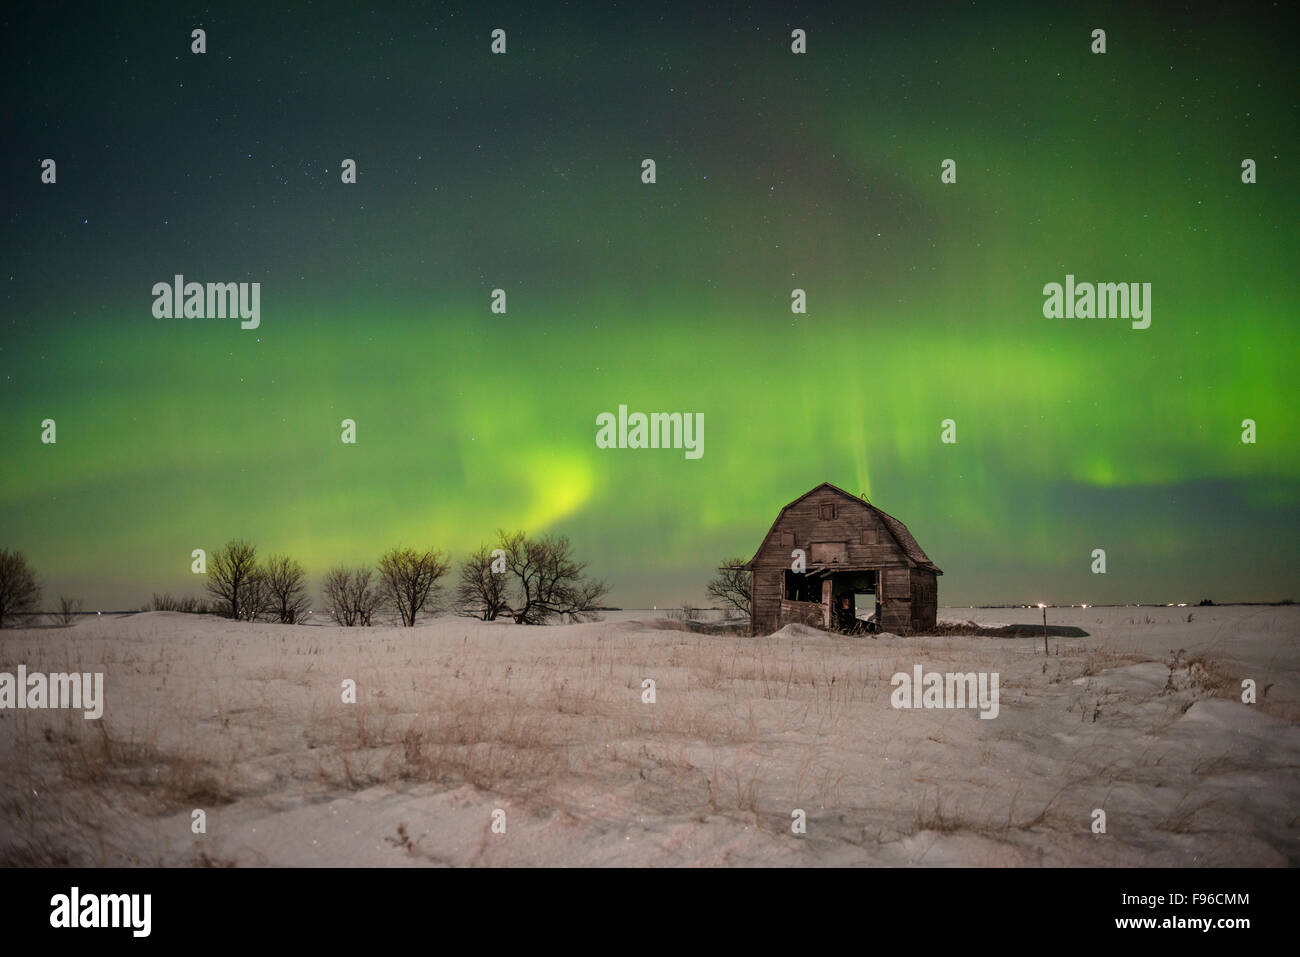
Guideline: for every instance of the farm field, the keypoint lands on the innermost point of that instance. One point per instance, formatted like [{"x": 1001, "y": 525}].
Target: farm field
[{"x": 456, "y": 719}]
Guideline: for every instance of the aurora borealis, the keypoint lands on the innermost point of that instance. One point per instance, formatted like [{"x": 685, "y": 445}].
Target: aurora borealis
[{"x": 775, "y": 171}]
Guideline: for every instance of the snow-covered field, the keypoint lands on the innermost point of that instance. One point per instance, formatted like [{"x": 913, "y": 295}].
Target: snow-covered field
[{"x": 456, "y": 719}]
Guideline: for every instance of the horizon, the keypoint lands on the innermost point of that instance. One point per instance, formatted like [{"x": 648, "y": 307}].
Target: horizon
[{"x": 447, "y": 612}]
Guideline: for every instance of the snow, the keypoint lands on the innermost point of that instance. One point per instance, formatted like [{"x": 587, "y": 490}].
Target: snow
[{"x": 455, "y": 719}]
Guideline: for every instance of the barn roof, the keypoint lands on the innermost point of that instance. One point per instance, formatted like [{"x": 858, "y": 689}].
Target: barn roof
[{"x": 915, "y": 554}]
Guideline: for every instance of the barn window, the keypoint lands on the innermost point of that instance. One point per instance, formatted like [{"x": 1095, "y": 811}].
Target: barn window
[
  {"x": 869, "y": 537},
  {"x": 787, "y": 539},
  {"x": 828, "y": 511},
  {"x": 830, "y": 553}
]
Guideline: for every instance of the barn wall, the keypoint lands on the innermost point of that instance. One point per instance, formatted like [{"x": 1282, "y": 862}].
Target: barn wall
[
  {"x": 896, "y": 614},
  {"x": 925, "y": 599},
  {"x": 765, "y": 601}
]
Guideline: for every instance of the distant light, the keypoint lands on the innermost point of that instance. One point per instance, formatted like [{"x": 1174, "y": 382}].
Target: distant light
[
  {"x": 1083, "y": 606},
  {"x": 1041, "y": 605}
]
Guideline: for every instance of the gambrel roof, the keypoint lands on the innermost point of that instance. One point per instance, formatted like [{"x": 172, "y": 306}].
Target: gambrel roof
[{"x": 915, "y": 554}]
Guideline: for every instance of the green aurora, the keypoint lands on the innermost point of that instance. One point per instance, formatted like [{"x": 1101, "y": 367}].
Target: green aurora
[{"x": 775, "y": 172}]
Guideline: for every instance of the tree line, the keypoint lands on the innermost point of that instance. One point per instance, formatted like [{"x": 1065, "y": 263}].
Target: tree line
[{"x": 529, "y": 580}]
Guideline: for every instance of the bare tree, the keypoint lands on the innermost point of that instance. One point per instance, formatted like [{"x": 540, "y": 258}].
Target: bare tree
[
  {"x": 481, "y": 590},
  {"x": 335, "y": 591},
  {"x": 256, "y": 600},
  {"x": 365, "y": 593},
  {"x": 731, "y": 585},
  {"x": 187, "y": 604},
  {"x": 408, "y": 579},
  {"x": 230, "y": 570},
  {"x": 547, "y": 581},
  {"x": 687, "y": 612},
  {"x": 288, "y": 586},
  {"x": 349, "y": 595},
  {"x": 19, "y": 589},
  {"x": 69, "y": 608}
]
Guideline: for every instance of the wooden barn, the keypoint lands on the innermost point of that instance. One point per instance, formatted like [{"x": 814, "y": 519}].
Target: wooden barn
[{"x": 858, "y": 561}]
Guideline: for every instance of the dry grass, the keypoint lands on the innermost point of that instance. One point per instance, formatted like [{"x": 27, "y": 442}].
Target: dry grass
[
  {"x": 516, "y": 730},
  {"x": 744, "y": 730}
]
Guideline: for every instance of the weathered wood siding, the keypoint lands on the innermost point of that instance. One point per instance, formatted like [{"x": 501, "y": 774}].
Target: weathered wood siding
[
  {"x": 925, "y": 599},
  {"x": 766, "y": 599},
  {"x": 866, "y": 542},
  {"x": 896, "y": 615},
  {"x": 802, "y": 612}
]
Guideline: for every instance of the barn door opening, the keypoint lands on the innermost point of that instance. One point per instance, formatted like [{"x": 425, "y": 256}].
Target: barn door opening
[
  {"x": 866, "y": 600},
  {"x": 852, "y": 600}
]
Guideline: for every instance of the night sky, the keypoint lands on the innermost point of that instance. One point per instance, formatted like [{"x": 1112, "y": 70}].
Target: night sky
[{"x": 775, "y": 171}]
